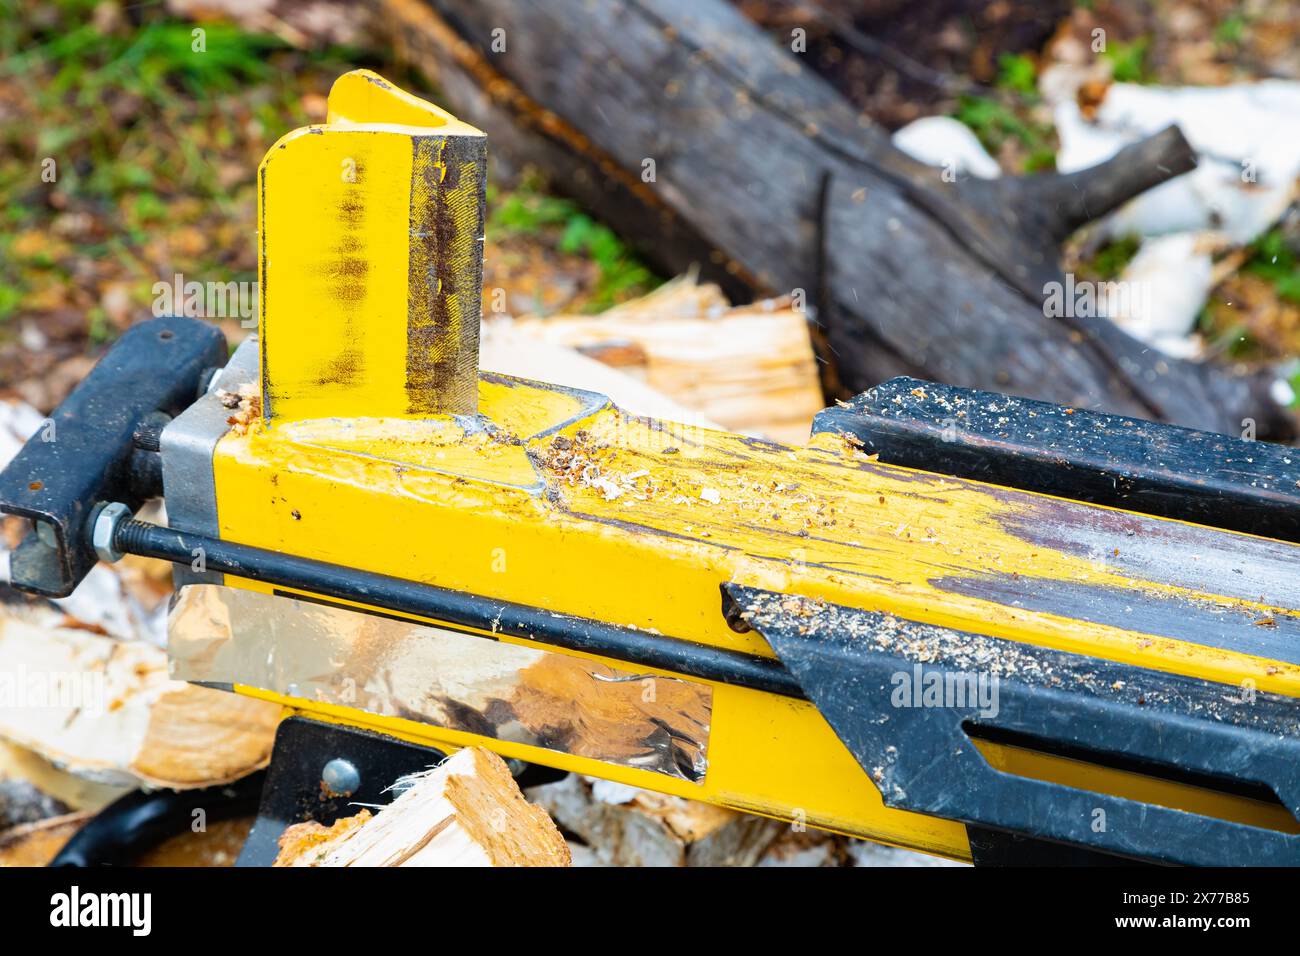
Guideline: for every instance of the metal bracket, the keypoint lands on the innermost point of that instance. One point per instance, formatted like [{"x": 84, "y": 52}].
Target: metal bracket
[
  {"x": 188, "y": 443},
  {"x": 294, "y": 791},
  {"x": 94, "y": 448},
  {"x": 309, "y": 753},
  {"x": 921, "y": 750}
]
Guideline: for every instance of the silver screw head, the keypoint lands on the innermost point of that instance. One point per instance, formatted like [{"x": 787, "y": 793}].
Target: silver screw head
[{"x": 341, "y": 777}]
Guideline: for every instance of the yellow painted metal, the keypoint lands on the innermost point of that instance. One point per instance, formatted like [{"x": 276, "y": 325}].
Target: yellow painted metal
[
  {"x": 503, "y": 515},
  {"x": 556, "y": 499},
  {"x": 370, "y": 229},
  {"x": 364, "y": 98}
]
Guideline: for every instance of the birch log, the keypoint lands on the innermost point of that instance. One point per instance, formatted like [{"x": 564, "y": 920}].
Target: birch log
[{"x": 106, "y": 710}]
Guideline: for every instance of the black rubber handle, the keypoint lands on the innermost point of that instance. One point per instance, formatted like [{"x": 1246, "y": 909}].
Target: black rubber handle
[{"x": 84, "y": 455}]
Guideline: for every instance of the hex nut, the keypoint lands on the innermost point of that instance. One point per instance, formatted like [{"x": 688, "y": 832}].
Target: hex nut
[{"x": 104, "y": 530}]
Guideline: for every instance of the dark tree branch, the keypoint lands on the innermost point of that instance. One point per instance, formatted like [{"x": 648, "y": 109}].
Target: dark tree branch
[
  {"x": 1076, "y": 199},
  {"x": 766, "y": 174}
]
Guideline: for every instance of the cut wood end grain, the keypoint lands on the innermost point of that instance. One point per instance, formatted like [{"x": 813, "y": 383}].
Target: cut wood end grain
[
  {"x": 467, "y": 811},
  {"x": 107, "y": 711}
]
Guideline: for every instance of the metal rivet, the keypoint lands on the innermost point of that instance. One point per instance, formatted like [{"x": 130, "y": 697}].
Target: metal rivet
[{"x": 341, "y": 776}]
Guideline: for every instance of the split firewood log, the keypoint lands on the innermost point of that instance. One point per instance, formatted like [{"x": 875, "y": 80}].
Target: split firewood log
[
  {"x": 24, "y": 772},
  {"x": 36, "y": 844},
  {"x": 751, "y": 367},
  {"x": 106, "y": 709},
  {"x": 467, "y": 811},
  {"x": 507, "y": 351}
]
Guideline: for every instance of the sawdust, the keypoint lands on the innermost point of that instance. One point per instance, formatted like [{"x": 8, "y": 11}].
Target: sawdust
[
  {"x": 245, "y": 404},
  {"x": 1000, "y": 659},
  {"x": 731, "y": 494},
  {"x": 313, "y": 841},
  {"x": 582, "y": 461}
]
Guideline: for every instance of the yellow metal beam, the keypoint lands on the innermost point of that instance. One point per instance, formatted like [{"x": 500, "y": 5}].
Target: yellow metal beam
[
  {"x": 569, "y": 504},
  {"x": 556, "y": 499}
]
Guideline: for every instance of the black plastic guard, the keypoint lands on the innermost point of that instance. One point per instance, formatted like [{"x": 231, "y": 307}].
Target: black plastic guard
[
  {"x": 862, "y": 669},
  {"x": 84, "y": 455},
  {"x": 1156, "y": 469}
]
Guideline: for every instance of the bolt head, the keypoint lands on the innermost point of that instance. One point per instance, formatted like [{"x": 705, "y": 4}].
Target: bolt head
[{"x": 341, "y": 777}]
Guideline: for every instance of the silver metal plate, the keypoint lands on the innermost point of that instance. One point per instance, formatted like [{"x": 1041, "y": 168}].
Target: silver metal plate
[
  {"x": 219, "y": 635},
  {"x": 188, "y": 444}
]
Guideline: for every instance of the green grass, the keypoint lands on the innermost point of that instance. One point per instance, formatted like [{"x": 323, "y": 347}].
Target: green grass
[
  {"x": 994, "y": 122},
  {"x": 81, "y": 80},
  {"x": 1018, "y": 73},
  {"x": 1111, "y": 259},
  {"x": 1231, "y": 31},
  {"x": 1272, "y": 259},
  {"x": 144, "y": 123},
  {"x": 156, "y": 136},
  {"x": 1007, "y": 115},
  {"x": 1129, "y": 60},
  {"x": 527, "y": 210}
]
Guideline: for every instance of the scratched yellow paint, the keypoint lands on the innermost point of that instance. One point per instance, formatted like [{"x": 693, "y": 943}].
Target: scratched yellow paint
[
  {"x": 840, "y": 528},
  {"x": 340, "y": 283},
  {"x": 641, "y": 528},
  {"x": 511, "y": 528},
  {"x": 335, "y": 232}
]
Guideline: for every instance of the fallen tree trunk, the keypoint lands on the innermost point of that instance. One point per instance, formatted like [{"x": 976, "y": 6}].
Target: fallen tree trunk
[
  {"x": 699, "y": 140},
  {"x": 903, "y": 59},
  {"x": 468, "y": 811}
]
